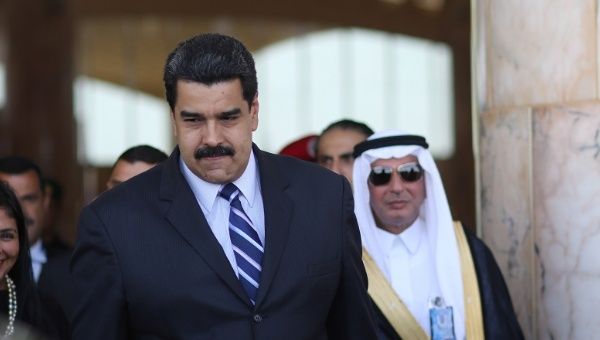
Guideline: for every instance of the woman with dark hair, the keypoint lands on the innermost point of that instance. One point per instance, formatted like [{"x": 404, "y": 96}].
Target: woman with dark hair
[{"x": 18, "y": 297}]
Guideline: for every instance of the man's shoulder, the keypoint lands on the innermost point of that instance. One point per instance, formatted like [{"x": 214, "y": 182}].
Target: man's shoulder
[
  {"x": 476, "y": 244},
  {"x": 57, "y": 248},
  {"x": 483, "y": 258},
  {"x": 296, "y": 168},
  {"x": 499, "y": 317},
  {"x": 141, "y": 188},
  {"x": 303, "y": 180}
]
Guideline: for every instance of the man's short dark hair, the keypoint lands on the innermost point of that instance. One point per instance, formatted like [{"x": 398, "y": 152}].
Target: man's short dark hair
[
  {"x": 57, "y": 189},
  {"x": 345, "y": 124},
  {"x": 210, "y": 59},
  {"x": 143, "y": 153},
  {"x": 16, "y": 165}
]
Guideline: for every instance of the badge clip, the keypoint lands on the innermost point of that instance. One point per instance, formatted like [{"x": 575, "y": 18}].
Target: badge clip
[{"x": 441, "y": 318}]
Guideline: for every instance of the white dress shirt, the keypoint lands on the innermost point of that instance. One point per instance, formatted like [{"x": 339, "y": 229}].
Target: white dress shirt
[
  {"x": 38, "y": 258},
  {"x": 410, "y": 269},
  {"x": 216, "y": 209}
]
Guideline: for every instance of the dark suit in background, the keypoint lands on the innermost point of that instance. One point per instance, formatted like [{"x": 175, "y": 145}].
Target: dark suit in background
[
  {"x": 26, "y": 180},
  {"x": 56, "y": 288}
]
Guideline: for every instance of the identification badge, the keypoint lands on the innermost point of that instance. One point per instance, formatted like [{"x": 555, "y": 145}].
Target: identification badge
[{"x": 441, "y": 319}]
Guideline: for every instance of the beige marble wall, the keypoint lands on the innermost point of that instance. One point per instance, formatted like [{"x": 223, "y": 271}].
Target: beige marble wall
[
  {"x": 540, "y": 51},
  {"x": 505, "y": 204},
  {"x": 537, "y": 108},
  {"x": 566, "y": 177}
]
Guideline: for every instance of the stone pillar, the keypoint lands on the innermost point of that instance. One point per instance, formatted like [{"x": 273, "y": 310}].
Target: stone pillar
[
  {"x": 38, "y": 121},
  {"x": 537, "y": 134}
]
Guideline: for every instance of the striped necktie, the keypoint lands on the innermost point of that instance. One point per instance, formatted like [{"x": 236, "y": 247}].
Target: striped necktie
[{"x": 246, "y": 244}]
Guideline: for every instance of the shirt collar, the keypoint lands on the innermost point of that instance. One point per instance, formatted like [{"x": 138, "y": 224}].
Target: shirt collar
[
  {"x": 385, "y": 240},
  {"x": 410, "y": 237},
  {"x": 206, "y": 192},
  {"x": 37, "y": 252}
]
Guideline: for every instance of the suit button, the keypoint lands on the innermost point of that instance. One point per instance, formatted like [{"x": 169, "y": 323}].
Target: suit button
[{"x": 257, "y": 318}]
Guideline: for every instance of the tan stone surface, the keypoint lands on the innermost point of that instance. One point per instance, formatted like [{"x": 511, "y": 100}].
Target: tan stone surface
[
  {"x": 541, "y": 52},
  {"x": 566, "y": 158},
  {"x": 505, "y": 204}
]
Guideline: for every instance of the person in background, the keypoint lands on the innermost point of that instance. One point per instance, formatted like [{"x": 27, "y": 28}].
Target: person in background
[
  {"x": 336, "y": 143},
  {"x": 302, "y": 148},
  {"x": 50, "y": 265},
  {"x": 133, "y": 162},
  {"x": 53, "y": 192},
  {"x": 19, "y": 302},
  {"x": 25, "y": 179},
  {"x": 428, "y": 276}
]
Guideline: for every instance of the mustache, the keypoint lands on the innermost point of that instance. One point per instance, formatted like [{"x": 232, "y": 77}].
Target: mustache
[{"x": 213, "y": 151}]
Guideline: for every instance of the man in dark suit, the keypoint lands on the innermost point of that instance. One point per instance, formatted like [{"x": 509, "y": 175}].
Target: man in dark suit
[{"x": 222, "y": 240}]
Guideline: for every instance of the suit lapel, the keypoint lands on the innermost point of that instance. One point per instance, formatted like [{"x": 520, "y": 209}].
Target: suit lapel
[
  {"x": 182, "y": 211},
  {"x": 278, "y": 211}
]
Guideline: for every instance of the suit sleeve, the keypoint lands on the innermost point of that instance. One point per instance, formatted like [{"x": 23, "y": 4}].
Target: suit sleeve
[
  {"x": 351, "y": 314},
  {"x": 99, "y": 311}
]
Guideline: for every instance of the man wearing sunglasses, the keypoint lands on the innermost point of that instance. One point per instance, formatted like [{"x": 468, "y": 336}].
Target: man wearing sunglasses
[{"x": 428, "y": 277}]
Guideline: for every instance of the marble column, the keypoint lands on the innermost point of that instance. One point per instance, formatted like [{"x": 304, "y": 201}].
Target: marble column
[{"x": 537, "y": 136}]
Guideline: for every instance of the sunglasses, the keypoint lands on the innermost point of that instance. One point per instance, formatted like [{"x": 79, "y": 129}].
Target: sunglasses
[{"x": 409, "y": 172}]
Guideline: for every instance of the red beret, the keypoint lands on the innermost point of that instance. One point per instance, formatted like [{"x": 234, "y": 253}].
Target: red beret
[{"x": 303, "y": 148}]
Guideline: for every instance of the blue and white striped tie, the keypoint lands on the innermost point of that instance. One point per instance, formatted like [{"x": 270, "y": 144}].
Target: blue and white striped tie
[{"x": 247, "y": 247}]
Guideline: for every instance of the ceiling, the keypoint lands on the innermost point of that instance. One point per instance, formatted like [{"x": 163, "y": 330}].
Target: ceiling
[
  {"x": 132, "y": 52},
  {"x": 127, "y": 41}
]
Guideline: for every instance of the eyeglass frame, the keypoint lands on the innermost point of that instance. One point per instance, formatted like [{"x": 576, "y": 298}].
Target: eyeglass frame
[{"x": 400, "y": 170}]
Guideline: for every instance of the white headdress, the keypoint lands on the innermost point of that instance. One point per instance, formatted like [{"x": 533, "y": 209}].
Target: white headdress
[{"x": 435, "y": 212}]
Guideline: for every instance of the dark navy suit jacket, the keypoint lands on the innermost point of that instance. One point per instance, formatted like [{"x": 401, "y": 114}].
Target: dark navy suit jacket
[
  {"x": 56, "y": 291},
  {"x": 147, "y": 265}
]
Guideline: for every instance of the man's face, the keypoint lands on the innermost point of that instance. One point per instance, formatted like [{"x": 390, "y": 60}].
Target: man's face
[
  {"x": 335, "y": 150},
  {"x": 27, "y": 188},
  {"x": 124, "y": 170},
  {"x": 213, "y": 126},
  {"x": 396, "y": 205}
]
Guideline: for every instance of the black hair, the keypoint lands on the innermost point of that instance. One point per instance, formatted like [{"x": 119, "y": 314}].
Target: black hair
[
  {"x": 16, "y": 165},
  {"x": 209, "y": 59},
  {"x": 21, "y": 272},
  {"x": 57, "y": 189},
  {"x": 383, "y": 142},
  {"x": 143, "y": 153},
  {"x": 345, "y": 124}
]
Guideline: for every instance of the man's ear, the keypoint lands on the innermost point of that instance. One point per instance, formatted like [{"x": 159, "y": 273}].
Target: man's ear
[
  {"x": 46, "y": 198},
  {"x": 254, "y": 106},
  {"x": 173, "y": 125}
]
